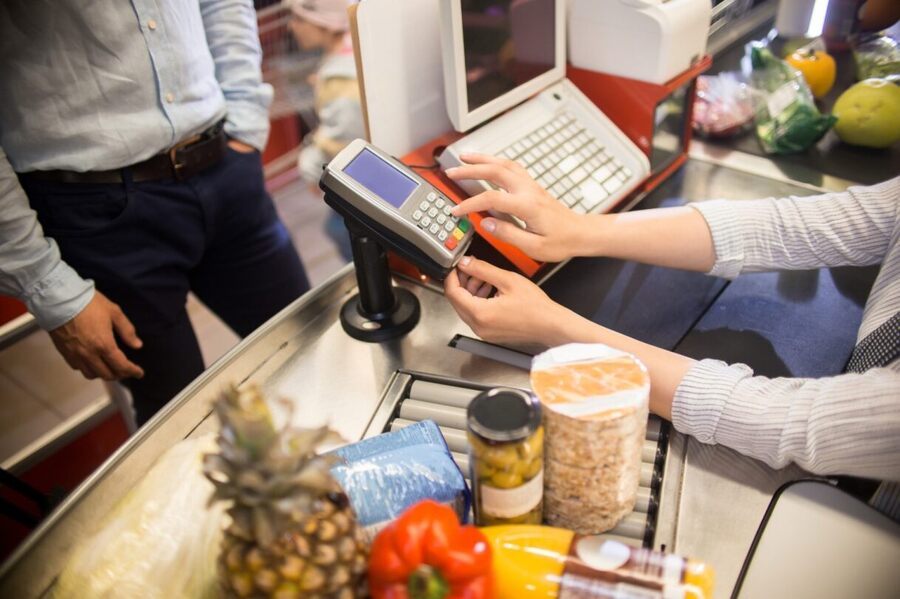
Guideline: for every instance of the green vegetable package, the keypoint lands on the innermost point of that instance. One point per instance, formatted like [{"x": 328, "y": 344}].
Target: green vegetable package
[{"x": 788, "y": 121}]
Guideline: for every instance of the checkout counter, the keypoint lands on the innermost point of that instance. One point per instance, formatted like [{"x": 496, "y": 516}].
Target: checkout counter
[{"x": 696, "y": 500}]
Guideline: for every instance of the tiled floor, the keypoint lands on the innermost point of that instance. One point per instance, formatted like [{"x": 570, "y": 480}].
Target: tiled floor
[{"x": 38, "y": 391}]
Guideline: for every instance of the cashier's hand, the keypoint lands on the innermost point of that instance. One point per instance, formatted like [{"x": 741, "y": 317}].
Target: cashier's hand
[
  {"x": 519, "y": 312},
  {"x": 88, "y": 344},
  {"x": 554, "y": 233}
]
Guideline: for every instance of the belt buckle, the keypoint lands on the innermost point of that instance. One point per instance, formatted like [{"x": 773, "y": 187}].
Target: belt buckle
[{"x": 178, "y": 161}]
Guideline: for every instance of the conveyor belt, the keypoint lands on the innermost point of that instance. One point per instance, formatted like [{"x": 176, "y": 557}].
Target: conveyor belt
[{"x": 413, "y": 397}]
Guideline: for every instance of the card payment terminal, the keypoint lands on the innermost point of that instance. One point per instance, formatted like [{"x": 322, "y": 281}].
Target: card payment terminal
[{"x": 406, "y": 213}]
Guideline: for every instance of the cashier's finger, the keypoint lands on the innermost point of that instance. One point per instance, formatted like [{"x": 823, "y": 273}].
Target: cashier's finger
[
  {"x": 476, "y": 158},
  {"x": 527, "y": 241},
  {"x": 494, "y": 173},
  {"x": 491, "y": 200},
  {"x": 472, "y": 285},
  {"x": 485, "y": 290},
  {"x": 486, "y": 272},
  {"x": 454, "y": 290}
]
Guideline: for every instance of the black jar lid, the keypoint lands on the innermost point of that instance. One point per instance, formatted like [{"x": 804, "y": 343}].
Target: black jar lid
[{"x": 504, "y": 414}]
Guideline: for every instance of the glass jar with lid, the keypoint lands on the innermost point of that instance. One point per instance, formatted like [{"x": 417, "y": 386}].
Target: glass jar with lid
[{"x": 506, "y": 457}]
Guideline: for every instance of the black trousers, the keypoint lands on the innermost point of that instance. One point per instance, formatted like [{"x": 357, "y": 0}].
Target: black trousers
[{"x": 147, "y": 244}]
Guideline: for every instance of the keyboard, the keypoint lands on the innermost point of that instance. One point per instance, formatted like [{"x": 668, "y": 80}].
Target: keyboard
[
  {"x": 569, "y": 162},
  {"x": 575, "y": 152}
]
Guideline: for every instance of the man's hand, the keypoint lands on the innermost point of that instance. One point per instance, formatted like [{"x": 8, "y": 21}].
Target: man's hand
[
  {"x": 554, "y": 232},
  {"x": 88, "y": 344},
  {"x": 239, "y": 146},
  {"x": 518, "y": 313}
]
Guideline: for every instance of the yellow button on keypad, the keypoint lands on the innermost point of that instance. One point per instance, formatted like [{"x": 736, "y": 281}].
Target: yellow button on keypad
[{"x": 458, "y": 233}]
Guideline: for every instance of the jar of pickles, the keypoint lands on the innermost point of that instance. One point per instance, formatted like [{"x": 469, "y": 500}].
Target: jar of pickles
[{"x": 506, "y": 457}]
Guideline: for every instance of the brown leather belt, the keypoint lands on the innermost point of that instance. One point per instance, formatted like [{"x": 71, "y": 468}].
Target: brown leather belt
[{"x": 180, "y": 162}]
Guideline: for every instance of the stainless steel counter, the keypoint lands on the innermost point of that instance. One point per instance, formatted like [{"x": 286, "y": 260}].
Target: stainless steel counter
[{"x": 712, "y": 498}]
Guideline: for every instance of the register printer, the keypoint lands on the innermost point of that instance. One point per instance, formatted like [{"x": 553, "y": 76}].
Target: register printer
[{"x": 497, "y": 56}]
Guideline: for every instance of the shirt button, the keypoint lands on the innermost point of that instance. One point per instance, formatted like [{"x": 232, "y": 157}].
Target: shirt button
[
  {"x": 170, "y": 97},
  {"x": 151, "y": 24}
]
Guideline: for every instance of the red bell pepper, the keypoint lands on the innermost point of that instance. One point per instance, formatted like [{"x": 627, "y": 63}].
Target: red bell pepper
[{"x": 426, "y": 554}]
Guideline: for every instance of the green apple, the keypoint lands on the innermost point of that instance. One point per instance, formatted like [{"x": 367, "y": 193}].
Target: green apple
[{"x": 868, "y": 114}]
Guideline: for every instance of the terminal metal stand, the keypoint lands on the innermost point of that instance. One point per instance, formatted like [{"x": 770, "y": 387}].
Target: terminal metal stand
[{"x": 379, "y": 311}]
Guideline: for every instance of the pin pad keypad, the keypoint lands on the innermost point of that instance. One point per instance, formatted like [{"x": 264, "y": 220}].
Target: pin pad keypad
[{"x": 433, "y": 215}]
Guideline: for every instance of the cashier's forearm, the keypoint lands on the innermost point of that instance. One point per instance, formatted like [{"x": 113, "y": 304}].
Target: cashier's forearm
[
  {"x": 666, "y": 368},
  {"x": 671, "y": 237}
]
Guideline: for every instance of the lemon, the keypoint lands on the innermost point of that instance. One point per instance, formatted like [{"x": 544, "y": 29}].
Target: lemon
[{"x": 868, "y": 114}]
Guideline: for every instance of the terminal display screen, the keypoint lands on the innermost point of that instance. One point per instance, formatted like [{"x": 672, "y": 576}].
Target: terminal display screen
[
  {"x": 506, "y": 43},
  {"x": 381, "y": 178}
]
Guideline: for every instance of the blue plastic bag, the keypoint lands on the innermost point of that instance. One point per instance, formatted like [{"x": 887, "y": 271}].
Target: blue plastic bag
[{"x": 386, "y": 474}]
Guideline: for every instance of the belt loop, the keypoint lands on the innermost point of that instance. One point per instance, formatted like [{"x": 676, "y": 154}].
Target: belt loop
[{"x": 127, "y": 178}]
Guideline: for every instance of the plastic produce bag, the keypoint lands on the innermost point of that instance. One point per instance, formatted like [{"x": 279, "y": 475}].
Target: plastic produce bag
[
  {"x": 160, "y": 541},
  {"x": 724, "y": 105},
  {"x": 386, "y": 474},
  {"x": 876, "y": 56},
  {"x": 788, "y": 120}
]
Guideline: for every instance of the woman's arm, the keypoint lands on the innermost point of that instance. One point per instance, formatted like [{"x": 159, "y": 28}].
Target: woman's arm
[
  {"x": 722, "y": 237},
  {"x": 845, "y": 424},
  {"x": 848, "y": 424},
  {"x": 521, "y": 313},
  {"x": 673, "y": 237}
]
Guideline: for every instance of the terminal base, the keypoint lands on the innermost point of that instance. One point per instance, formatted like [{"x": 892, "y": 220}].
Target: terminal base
[{"x": 399, "y": 320}]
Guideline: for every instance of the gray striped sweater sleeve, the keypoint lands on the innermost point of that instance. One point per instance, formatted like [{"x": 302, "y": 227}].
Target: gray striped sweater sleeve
[
  {"x": 837, "y": 229},
  {"x": 845, "y": 424}
]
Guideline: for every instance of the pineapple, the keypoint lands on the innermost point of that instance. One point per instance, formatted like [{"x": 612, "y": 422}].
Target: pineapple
[{"x": 292, "y": 531}]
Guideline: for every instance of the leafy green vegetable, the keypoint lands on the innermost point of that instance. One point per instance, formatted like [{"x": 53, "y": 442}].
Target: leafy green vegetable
[{"x": 788, "y": 121}]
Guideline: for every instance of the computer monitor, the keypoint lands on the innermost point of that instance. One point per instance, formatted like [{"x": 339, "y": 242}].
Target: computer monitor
[{"x": 498, "y": 53}]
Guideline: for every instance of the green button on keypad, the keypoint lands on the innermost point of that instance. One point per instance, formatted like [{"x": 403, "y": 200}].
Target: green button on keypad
[{"x": 464, "y": 225}]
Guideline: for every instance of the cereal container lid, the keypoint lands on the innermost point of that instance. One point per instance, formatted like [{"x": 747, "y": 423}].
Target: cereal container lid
[{"x": 589, "y": 381}]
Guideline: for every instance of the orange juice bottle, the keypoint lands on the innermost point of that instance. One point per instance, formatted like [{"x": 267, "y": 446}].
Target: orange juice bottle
[{"x": 544, "y": 562}]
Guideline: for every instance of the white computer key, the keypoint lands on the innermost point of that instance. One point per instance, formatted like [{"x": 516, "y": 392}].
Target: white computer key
[
  {"x": 593, "y": 194},
  {"x": 569, "y": 164},
  {"x": 612, "y": 184},
  {"x": 448, "y": 395},
  {"x": 601, "y": 174},
  {"x": 578, "y": 174}
]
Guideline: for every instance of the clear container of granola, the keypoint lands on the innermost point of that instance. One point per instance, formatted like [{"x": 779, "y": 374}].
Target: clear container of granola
[{"x": 595, "y": 407}]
